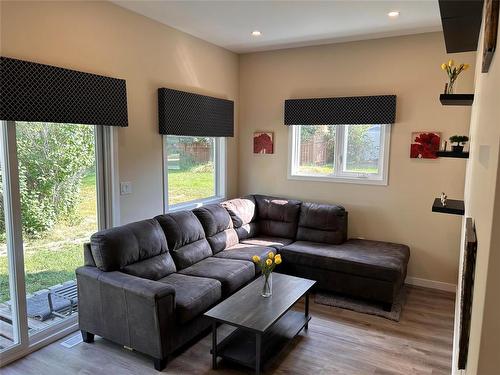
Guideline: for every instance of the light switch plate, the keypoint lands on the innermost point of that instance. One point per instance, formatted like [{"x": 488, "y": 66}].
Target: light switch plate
[{"x": 125, "y": 188}]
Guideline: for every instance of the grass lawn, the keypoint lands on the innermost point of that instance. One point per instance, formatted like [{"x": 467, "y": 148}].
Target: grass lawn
[
  {"x": 328, "y": 169},
  {"x": 52, "y": 259},
  {"x": 188, "y": 185}
]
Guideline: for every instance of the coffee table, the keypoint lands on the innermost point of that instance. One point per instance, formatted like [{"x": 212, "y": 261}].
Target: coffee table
[{"x": 264, "y": 325}]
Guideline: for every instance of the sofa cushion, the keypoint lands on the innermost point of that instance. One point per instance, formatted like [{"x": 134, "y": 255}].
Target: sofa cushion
[
  {"x": 244, "y": 251},
  {"x": 185, "y": 237},
  {"x": 218, "y": 226},
  {"x": 123, "y": 247},
  {"x": 243, "y": 215},
  {"x": 152, "y": 268},
  {"x": 241, "y": 210},
  {"x": 247, "y": 230},
  {"x": 371, "y": 259},
  {"x": 193, "y": 295},
  {"x": 275, "y": 242},
  {"x": 322, "y": 223},
  {"x": 232, "y": 274},
  {"x": 277, "y": 217}
]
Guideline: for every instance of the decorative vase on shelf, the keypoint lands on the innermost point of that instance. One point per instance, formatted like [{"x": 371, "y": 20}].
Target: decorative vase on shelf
[
  {"x": 457, "y": 148},
  {"x": 267, "y": 266},
  {"x": 450, "y": 87},
  {"x": 267, "y": 285},
  {"x": 453, "y": 72}
]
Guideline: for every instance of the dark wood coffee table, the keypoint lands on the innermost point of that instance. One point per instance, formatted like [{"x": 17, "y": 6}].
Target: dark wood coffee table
[{"x": 265, "y": 325}]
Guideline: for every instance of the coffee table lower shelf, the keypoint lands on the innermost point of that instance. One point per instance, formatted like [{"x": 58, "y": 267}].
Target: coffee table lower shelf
[{"x": 240, "y": 346}]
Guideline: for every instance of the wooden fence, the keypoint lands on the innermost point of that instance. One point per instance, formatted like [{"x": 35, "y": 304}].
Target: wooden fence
[
  {"x": 313, "y": 152},
  {"x": 201, "y": 153}
]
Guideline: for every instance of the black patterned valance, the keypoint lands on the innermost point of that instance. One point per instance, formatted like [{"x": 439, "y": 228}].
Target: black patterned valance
[
  {"x": 185, "y": 113},
  {"x": 379, "y": 109},
  {"x": 45, "y": 93}
]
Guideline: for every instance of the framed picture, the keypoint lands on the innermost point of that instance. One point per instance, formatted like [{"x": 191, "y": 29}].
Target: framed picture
[
  {"x": 490, "y": 32},
  {"x": 424, "y": 145},
  {"x": 263, "y": 143},
  {"x": 468, "y": 273}
]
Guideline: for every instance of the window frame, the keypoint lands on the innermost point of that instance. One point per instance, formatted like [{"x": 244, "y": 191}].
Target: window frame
[
  {"x": 339, "y": 159},
  {"x": 220, "y": 178},
  {"x": 106, "y": 148}
]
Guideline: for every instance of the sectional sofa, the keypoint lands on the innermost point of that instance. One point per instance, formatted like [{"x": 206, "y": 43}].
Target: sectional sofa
[{"x": 146, "y": 285}]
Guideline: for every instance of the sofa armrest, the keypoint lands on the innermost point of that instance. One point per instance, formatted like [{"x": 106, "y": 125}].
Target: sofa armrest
[{"x": 126, "y": 309}]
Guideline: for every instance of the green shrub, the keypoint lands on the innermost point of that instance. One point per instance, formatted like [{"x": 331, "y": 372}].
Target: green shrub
[{"x": 52, "y": 158}]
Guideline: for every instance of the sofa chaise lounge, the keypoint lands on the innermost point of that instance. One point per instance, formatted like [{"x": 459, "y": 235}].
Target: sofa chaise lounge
[{"x": 146, "y": 285}]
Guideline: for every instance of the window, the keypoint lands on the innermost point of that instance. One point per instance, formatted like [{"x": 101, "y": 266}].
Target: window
[
  {"x": 194, "y": 170},
  {"x": 54, "y": 195},
  {"x": 345, "y": 153}
]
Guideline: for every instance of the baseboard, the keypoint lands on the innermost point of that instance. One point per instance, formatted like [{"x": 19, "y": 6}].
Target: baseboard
[{"x": 432, "y": 284}]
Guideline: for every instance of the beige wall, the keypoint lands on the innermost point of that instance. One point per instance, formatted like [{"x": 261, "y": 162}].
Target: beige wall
[
  {"x": 406, "y": 66},
  {"x": 102, "y": 38},
  {"x": 482, "y": 198}
]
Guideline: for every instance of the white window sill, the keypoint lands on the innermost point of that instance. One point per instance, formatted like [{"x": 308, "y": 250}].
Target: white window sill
[
  {"x": 194, "y": 204},
  {"x": 344, "y": 180}
]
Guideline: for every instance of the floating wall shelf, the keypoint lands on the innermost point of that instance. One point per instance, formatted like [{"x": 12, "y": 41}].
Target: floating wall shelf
[
  {"x": 452, "y": 154},
  {"x": 456, "y": 99},
  {"x": 454, "y": 207}
]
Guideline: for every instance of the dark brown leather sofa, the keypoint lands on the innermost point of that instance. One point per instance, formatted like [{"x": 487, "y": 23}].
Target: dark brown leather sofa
[{"x": 146, "y": 285}]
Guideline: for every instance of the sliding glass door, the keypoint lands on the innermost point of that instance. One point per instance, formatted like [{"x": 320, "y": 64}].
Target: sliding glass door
[{"x": 57, "y": 201}]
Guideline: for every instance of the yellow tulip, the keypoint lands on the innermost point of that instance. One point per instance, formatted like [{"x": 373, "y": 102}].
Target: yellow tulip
[
  {"x": 269, "y": 262},
  {"x": 270, "y": 255},
  {"x": 256, "y": 259},
  {"x": 277, "y": 260},
  {"x": 443, "y": 66},
  {"x": 466, "y": 66},
  {"x": 451, "y": 63}
]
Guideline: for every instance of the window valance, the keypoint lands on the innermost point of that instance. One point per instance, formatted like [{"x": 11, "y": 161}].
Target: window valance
[
  {"x": 43, "y": 93},
  {"x": 351, "y": 110},
  {"x": 185, "y": 113}
]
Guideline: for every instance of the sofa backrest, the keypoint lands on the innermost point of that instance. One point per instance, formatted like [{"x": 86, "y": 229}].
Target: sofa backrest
[
  {"x": 277, "y": 217},
  {"x": 243, "y": 212},
  {"x": 218, "y": 226},
  {"x": 322, "y": 223},
  {"x": 185, "y": 237},
  {"x": 139, "y": 249}
]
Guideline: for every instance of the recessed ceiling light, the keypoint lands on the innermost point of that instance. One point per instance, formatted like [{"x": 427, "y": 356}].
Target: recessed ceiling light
[
  {"x": 393, "y": 14},
  {"x": 256, "y": 33}
]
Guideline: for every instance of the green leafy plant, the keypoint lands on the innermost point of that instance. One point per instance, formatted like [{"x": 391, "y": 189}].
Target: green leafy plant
[
  {"x": 53, "y": 159},
  {"x": 459, "y": 139}
]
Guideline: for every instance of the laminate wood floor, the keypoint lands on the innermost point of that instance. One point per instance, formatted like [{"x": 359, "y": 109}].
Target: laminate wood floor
[{"x": 338, "y": 342}]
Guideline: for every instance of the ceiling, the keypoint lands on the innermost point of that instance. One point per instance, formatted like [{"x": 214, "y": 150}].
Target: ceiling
[{"x": 286, "y": 24}]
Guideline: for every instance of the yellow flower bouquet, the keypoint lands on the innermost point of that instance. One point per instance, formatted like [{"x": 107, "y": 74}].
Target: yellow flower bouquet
[
  {"x": 267, "y": 266},
  {"x": 452, "y": 71}
]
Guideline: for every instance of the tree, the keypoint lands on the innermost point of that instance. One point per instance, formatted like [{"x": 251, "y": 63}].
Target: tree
[
  {"x": 52, "y": 159},
  {"x": 361, "y": 145}
]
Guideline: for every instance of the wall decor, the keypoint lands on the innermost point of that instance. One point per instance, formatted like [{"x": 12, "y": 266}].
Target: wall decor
[
  {"x": 425, "y": 145},
  {"x": 453, "y": 72},
  {"x": 263, "y": 143},
  {"x": 468, "y": 272},
  {"x": 490, "y": 32}
]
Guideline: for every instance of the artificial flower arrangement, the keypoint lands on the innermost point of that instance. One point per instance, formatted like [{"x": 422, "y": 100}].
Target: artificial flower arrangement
[
  {"x": 267, "y": 266},
  {"x": 453, "y": 72}
]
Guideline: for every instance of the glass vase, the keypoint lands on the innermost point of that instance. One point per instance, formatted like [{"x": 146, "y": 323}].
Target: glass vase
[
  {"x": 267, "y": 285},
  {"x": 450, "y": 88}
]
